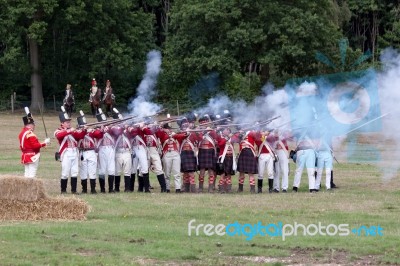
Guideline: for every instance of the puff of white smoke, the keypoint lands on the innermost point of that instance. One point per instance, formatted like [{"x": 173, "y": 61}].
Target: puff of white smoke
[
  {"x": 389, "y": 93},
  {"x": 142, "y": 106},
  {"x": 262, "y": 108}
]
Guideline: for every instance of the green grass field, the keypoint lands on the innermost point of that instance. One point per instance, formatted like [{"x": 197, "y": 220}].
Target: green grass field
[{"x": 125, "y": 229}]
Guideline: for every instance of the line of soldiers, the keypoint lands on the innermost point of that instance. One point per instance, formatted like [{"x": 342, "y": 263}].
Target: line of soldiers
[{"x": 128, "y": 150}]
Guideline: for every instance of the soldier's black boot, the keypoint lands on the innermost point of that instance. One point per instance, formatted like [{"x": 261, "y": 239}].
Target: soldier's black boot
[
  {"x": 192, "y": 188},
  {"x": 332, "y": 184},
  {"x": 161, "y": 180},
  {"x": 240, "y": 188},
  {"x": 127, "y": 181},
  {"x": 117, "y": 183},
  {"x": 84, "y": 186},
  {"x": 201, "y": 186},
  {"x": 74, "y": 183},
  {"x": 102, "y": 182},
  {"x": 93, "y": 186},
  {"x": 259, "y": 185},
  {"x": 187, "y": 188},
  {"x": 111, "y": 184},
  {"x": 141, "y": 185},
  {"x": 64, "y": 184},
  {"x": 211, "y": 188},
  {"x": 132, "y": 182},
  {"x": 146, "y": 183},
  {"x": 270, "y": 185}
]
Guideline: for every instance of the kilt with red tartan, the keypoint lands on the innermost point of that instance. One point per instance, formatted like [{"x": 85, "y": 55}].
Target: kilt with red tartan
[
  {"x": 207, "y": 159},
  {"x": 188, "y": 162},
  {"x": 247, "y": 162}
]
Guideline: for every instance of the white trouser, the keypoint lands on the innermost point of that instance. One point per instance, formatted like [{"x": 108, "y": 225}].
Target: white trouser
[
  {"x": 172, "y": 166},
  {"x": 325, "y": 159},
  {"x": 123, "y": 162},
  {"x": 106, "y": 160},
  {"x": 140, "y": 160},
  {"x": 282, "y": 169},
  {"x": 31, "y": 169},
  {"x": 155, "y": 161},
  {"x": 88, "y": 166},
  {"x": 305, "y": 158},
  {"x": 69, "y": 163},
  {"x": 265, "y": 161}
]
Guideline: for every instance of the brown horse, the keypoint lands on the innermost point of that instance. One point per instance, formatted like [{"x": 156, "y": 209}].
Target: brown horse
[
  {"x": 96, "y": 102},
  {"x": 69, "y": 102},
  {"x": 108, "y": 101}
]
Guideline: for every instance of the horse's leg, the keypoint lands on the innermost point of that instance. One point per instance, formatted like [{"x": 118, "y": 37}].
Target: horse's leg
[
  {"x": 92, "y": 108},
  {"x": 108, "y": 110}
]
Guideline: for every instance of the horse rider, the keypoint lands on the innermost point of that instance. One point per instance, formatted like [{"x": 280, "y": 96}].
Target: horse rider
[
  {"x": 68, "y": 94},
  {"x": 108, "y": 90},
  {"x": 93, "y": 90}
]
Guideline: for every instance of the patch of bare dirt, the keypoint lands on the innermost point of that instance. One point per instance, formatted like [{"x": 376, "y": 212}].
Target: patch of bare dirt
[{"x": 312, "y": 256}]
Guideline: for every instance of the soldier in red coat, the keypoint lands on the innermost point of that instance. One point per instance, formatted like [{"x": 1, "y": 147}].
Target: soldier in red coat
[
  {"x": 247, "y": 159},
  {"x": 171, "y": 157},
  {"x": 207, "y": 153},
  {"x": 226, "y": 159},
  {"x": 68, "y": 138},
  {"x": 154, "y": 150},
  {"x": 188, "y": 152},
  {"x": 87, "y": 151},
  {"x": 30, "y": 145}
]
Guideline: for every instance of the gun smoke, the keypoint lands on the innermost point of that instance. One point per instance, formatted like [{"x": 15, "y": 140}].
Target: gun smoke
[{"x": 142, "y": 106}]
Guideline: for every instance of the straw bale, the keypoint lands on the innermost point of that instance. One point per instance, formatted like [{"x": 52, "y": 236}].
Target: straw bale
[
  {"x": 25, "y": 199},
  {"x": 21, "y": 188},
  {"x": 60, "y": 208}
]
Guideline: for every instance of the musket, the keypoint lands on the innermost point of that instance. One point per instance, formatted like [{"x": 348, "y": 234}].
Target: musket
[
  {"x": 170, "y": 119},
  {"x": 263, "y": 123},
  {"x": 284, "y": 124},
  {"x": 195, "y": 130},
  {"x": 232, "y": 125},
  {"x": 212, "y": 122},
  {"x": 354, "y": 129},
  {"x": 157, "y": 113},
  {"x": 107, "y": 123},
  {"x": 44, "y": 124},
  {"x": 199, "y": 130}
]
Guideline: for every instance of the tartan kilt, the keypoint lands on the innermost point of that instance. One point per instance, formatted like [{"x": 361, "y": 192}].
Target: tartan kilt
[
  {"x": 188, "y": 162},
  {"x": 247, "y": 162},
  {"x": 207, "y": 159},
  {"x": 228, "y": 164}
]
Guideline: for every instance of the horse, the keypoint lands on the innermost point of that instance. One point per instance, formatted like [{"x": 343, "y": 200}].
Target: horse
[
  {"x": 96, "y": 102},
  {"x": 108, "y": 101},
  {"x": 69, "y": 102}
]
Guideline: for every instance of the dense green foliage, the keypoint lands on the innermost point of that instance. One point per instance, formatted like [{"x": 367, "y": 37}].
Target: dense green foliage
[{"x": 242, "y": 45}]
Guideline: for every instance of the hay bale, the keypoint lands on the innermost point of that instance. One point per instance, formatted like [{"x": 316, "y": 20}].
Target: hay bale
[
  {"x": 60, "y": 208},
  {"x": 25, "y": 199},
  {"x": 21, "y": 188}
]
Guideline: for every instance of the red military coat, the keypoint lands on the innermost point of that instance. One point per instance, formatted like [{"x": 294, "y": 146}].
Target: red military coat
[{"x": 29, "y": 145}]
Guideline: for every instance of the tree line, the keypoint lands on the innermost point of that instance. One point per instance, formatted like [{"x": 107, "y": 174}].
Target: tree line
[{"x": 208, "y": 46}]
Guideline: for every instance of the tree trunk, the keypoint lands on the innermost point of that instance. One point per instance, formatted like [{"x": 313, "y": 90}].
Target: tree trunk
[
  {"x": 36, "y": 76},
  {"x": 265, "y": 76}
]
